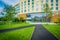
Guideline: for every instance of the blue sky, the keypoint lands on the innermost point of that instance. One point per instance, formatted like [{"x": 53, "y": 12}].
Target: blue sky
[{"x": 6, "y": 2}]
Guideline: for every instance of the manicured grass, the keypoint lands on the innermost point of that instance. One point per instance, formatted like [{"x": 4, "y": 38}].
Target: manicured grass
[
  {"x": 21, "y": 34},
  {"x": 13, "y": 25},
  {"x": 54, "y": 29}
]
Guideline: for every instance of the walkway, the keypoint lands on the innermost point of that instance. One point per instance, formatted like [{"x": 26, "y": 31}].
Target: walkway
[
  {"x": 41, "y": 33},
  {"x": 11, "y": 29}
]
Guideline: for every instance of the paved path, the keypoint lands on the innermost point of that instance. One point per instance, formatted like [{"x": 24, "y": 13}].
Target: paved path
[
  {"x": 11, "y": 29},
  {"x": 40, "y": 33}
]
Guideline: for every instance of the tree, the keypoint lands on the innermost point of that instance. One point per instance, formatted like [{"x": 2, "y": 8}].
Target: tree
[
  {"x": 59, "y": 17},
  {"x": 47, "y": 9},
  {"x": 21, "y": 19},
  {"x": 10, "y": 13}
]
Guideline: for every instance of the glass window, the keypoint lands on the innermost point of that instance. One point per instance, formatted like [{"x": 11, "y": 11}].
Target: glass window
[
  {"x": 24, "y": 6},
  {"x": 32, "y": 2},
  {"x": 57, "y": 1},
  {"x": 28, "y": 3},
  {"x": 56, "y": 4},
  {"x": 28, "y": 10},
  {"x": 28, "y": 0},
  {"x": 28, "y": 6},
  {"x": 51, "y": 0},
  {"x": 28, "y": 15},
  {"x": 36, "y": 9},
  {"x": 24, "y": 1},
  {"x": 36, "y": 5},
  {"x": 17, "y": 8},
  {"x": 56, "y": 8},
  {"x": 46, "y": 0},
  {"x": 32, "y": 7},
  {"x": 52, "y": 4},
  {"x": 24, "y": 10}
]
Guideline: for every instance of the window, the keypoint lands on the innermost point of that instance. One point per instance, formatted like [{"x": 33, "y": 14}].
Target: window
[
  {"x": 28, "y": 0},
  {"x": 51, "y": 0},
  {"x": 28, "y": 15},
  {"x": 24, "y": 6},
  {"x": 56, "y": 4},
  {"x": 29, "y": 6},
  {"x": 52, "y": 4},
  {"x": 36, "y": 5},
  {"x": 57, "y": 1},
  {"x": 56, "y": 8},
  {"x": 33, "y": 7},
  {"x": 28, "y": 10},
  {"x": 46, "y": 0},
  {"x": 17, "y": 8},
  {"x": 32, "y": 2},
  {"x": 24, "y": 9},
  {"x": 28, "y": 3},
  {"x": 24, "y": 1}
]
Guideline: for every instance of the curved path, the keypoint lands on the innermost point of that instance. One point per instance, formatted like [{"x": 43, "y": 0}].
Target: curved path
[
  {"x": 10, "y": 29},
  {"x": 40, "y": 33}
]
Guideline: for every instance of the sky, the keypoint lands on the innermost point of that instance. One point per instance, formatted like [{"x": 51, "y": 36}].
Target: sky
[{"x": 6, "y": 3}]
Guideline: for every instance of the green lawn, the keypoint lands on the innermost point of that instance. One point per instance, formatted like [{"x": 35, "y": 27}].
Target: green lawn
[
  {"x": 21, "y": 34},
  {"x": 13, "y": 25},
  {"x": 54, "y": 29}
]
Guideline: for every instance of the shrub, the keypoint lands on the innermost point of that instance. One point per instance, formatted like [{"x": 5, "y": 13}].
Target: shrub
[{"x": 22, "y": 19}]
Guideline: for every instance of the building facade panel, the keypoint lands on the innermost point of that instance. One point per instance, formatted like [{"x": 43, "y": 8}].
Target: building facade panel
[
  {"x": 32, "y": 6},
  {"x": 28, "y": 6}
]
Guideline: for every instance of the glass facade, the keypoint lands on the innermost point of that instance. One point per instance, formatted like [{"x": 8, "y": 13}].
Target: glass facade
[
  {"x": 24, "y": 6},
  {"x": 34, "y": 17},
  {"x": 52, "y": 0},
  {"x": 28, "y": 5},
  {"x": 37, "y": 5},
  {"x": 42, "y": 5},
  {"x": 17, "y": 8},
  {"x": 52, "y": 4},
  {"x": 32, "y": 5},
  {"x": 56, "y": 1},
  {"x": 56, "y": 4},
  {"x": 46, "y": 1},
  {"x": 28, "y": 0},
  {"x": 56, "y": 8}
]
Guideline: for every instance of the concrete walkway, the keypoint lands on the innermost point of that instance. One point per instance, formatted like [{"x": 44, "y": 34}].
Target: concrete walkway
[
  {"x": 40, "y": 33},
  {"x": 11, "y": 29}
]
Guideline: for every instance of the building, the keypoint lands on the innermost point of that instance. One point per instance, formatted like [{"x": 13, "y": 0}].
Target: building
[{"x": 24, "y": 7}]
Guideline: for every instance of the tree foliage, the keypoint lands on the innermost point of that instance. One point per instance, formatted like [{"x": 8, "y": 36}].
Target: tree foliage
[
  {"x": 10, "y": 13},
  {"x": 47, "y": 9}
]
